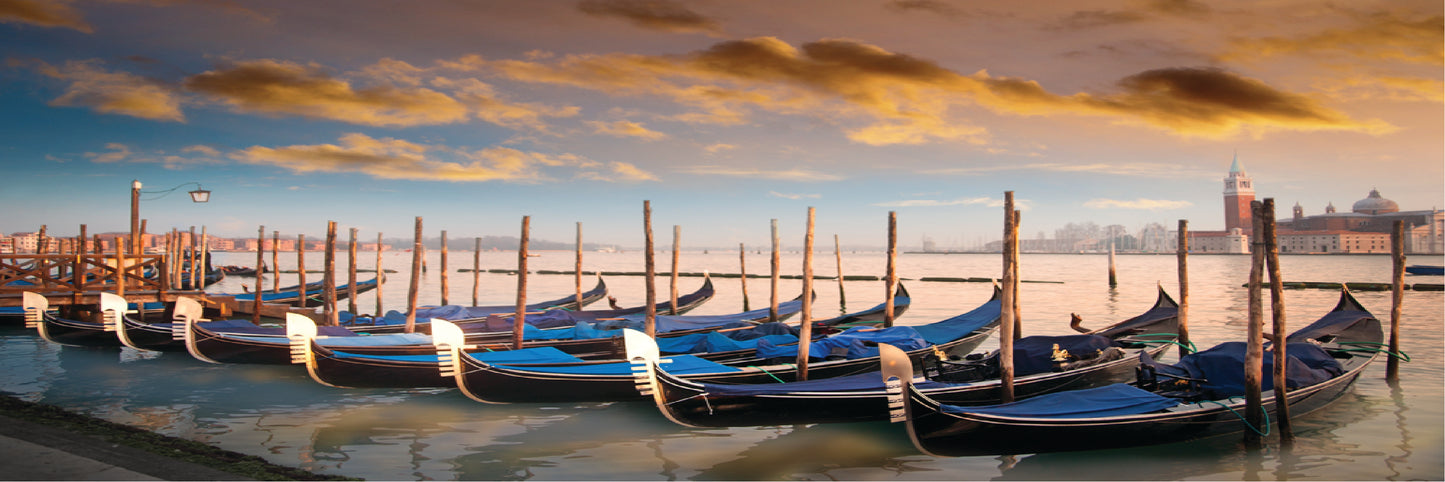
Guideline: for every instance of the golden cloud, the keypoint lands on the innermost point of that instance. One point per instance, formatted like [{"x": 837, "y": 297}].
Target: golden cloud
[
  {"x": 113, "y": 92},
  {"x": 1380, "y": 36},
  {"x": 664, "y": 15},
  {"x": 284, "y": 88},
  {"x": 388, "y": 158},
  {"x": 901, "y": 99},
  {"x": 626, "y": 129},
  {"x": 43, "y": 13},
  {"x": 801, "y": 175}
]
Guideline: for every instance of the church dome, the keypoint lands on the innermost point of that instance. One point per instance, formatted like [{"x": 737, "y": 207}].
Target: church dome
[{"x": 1374, "y": 204}]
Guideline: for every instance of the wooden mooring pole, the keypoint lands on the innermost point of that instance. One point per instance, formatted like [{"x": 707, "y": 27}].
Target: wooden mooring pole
[
  {"x": 1113, "y": 278},
  {"x": 743, "y": 272},
  {"x": 1183, "y": 255},
  {"x": 577, "y": 270},
  {"x": 838, "y": 260},
  {"x": 1254, "y": 350},
  {"x": 301, "y": 270},
  {"x": 351, "y": 273},
  {"x": 773, "y": 293},
  {"x": 890, "y": 283},
  {"x": 328, "y": 276},
  {"x": 476, "y": 270},
  {"x": 275, "y": 264},
  {"x": 260, "y": 253},
  {"x": 1006, "y": 304},
  {"x": 1276, "y": 297},
  {"x": 649, "y": 313},
  {"x": 411, "y": 293},
  {"x": 676, "y": 246},
  {"x": 446, "y": 287},
  {"x": 520, "y": 320},
  {"x": 380, "y": 273},
  {"x": 1018, "y": 319},
  {"x": 805, "y": 331},
  {"x": 1397, "y": 297}
]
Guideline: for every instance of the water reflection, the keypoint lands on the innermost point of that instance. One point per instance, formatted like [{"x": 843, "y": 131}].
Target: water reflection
[
  {"x": 1397, "y": 395},
  {"x": 831, "y": 451}
]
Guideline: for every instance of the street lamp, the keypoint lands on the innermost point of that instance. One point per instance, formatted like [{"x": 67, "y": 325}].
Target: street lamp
[{"x": 198, "y": 195}]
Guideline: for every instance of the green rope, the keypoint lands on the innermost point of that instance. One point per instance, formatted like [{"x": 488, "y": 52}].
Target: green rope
[
  {"x": 779, "y": 380},
  {"x": 1241, "y": 417},
  {"x": 1169, "y": 339},
  {"x": 1397, "y": 354}
]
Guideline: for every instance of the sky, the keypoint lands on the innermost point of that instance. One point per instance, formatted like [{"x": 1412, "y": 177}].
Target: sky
[{"x": 723, "y": 114}]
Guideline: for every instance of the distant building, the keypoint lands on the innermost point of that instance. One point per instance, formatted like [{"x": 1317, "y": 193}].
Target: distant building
[{"x": 1365, "y": 229}]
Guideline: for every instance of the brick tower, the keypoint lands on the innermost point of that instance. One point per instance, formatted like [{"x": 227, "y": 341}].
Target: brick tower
[{"x": 1238, "y": 193}]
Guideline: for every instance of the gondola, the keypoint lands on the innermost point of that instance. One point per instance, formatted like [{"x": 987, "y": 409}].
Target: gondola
[
  {"x": 613, "y": 380},
  {"x": 338, "y": 367},
  {"x": 114, "y": 327},
  {"x": 314, "y": 292},
  {"x": 233, "y": 270},
  {"x": 1425, "y": 270},
  {"x": 1198, "y": 397},
  {"x": 395, "y": 322},
  {"x": 1043, "y": 364},
  {"x": 269, "y": 345}
]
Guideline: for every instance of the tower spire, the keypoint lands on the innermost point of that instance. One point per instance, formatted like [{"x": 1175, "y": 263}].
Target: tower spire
[{"x": 1236, "y": 167}]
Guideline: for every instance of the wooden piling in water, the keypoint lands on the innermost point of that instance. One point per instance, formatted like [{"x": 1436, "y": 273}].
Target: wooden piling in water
[
  {"x": 773, "y": 293},
  {"x": 676, "y": 246},
  {"x": 805, "y": 331},
  {"x": 446, "y": 288},
  {"x": 328, "y": 277},
  {"x": 743, "y": 272},
  {"x": 351, "y": 273},
  {"x": 520, "y": 319},
  {"x": 476, "y": 269},
  {"x": 301, "y": 290},
  {"x": 890, "y": 284},
  {"x": 411, "y": 294},
  {"x": 260, "y": 252},
  {"x": 380, "y": 274},
  {"x": 1276, "y": 296},
  {"x": 1006, "y": 326},
  {"x": 577, "y": 277},
  {"x": 275, "y": 264},
  {"x": 1183, "y": 254},
  {"x": 120, "y": 267},
  {"x": 650, "y": 312},
  {"x": 1018, "y": 320},
  {"x": 1397, "y": 297},
  {"x": 1254, "y": 351},
  {"x": 196, "y": 270},
  {"x": 1113, "y": 278},
  {"x": 838, "y": 260}
]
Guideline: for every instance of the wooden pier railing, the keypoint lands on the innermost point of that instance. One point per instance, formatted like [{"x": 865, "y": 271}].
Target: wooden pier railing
[{"x": 75, "y": 278}]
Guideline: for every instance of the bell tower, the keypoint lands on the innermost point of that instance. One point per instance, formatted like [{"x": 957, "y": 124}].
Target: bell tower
[{"x": 1238, "y": 193}]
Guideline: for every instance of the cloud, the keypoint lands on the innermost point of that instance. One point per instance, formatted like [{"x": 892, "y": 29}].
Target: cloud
[
  {"x": 1377, "y": 36},
  {"x": 930, "y": 6},
  {"x": 204, "y": 150},
  {"x": 1141, "y": 203},
  {"x": 719, "y": 147},
  {"x": 388, "y": 158},
  {"x": 1165, "y": 171},
  {"x": 273, "y": 87},
  {"x": 794, "y": 196},
  {"x": 880, "y": 97},
  {"x": 90, "y": 85},
  {"x": 118, "y": 152},
  {"x": 663, "y": 15},
  {"x": 973, "y": 201},
  {"x": 626, "y": 129},
  {"x": 43, "y": 13},
  {"x": 803, "y": 175}
]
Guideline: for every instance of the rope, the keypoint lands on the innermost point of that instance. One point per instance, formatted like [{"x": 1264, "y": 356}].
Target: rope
[
  {"x": 1265, "y": 433},
  {"x": 774, "y": 377},
  {"x": 1397, "y": 354},
  {"x": 1170, "y": 341}
]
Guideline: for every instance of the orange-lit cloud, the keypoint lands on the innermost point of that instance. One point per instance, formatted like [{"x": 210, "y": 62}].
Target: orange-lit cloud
[
  {"x": 118, "y": 152},
  {"x": 90, "y": 85},
  {"x": 800, "y": 175},
  {"x": 664, "y": 15},
  {"x": 1020, "y": 204},
  {"x": 1378, "y": 36},
  {"x": 275, "y": 87},
  {"x": 1139, "y": 204},
  {"x": 880, "y": 97},
  {"x": 626, "y": 129},
  {"x": 123, "y": 153},
  {"x": 388, "y": 158},
  {"x": 794, "y": 196},
  {"x": 1168, "y": 171},
  {"x": 43, "y": 13}
]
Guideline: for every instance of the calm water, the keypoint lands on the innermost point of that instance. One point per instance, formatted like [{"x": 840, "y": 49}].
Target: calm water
[{"x": 277, "y": 412}]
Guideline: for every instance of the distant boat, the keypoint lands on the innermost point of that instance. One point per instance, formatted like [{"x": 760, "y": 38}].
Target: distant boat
[
  {"x": 607, "y": 249},
  {"x": 1423, "y": 269}
]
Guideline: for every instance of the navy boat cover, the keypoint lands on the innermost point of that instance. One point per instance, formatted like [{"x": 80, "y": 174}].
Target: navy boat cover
[
  {"x": 1221, "y": 368},
  {"x": 1106, "y": 401}
]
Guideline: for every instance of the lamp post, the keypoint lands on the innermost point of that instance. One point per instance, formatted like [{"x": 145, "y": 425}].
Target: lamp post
[{"x": 198, "y": 195}]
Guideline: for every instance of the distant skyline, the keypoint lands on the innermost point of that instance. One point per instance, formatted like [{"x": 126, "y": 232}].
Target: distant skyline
[{"x": 724, "y": 114}]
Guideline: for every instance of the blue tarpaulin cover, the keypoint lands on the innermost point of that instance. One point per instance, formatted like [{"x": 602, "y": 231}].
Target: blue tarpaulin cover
[
  {"x": 680, "y": 364},
  {"x": 945, "y": 331},
  {"x": 906, "y": 338},
  {"x": 1106, "y": 401},
  {"x": 1334, "y": 322},
  {"x": 1034, "y": 354},
  {"x": 545, "y": 354},
  {"x": 1223, "y": 368},
  {"x": 859, "y": 382}
]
